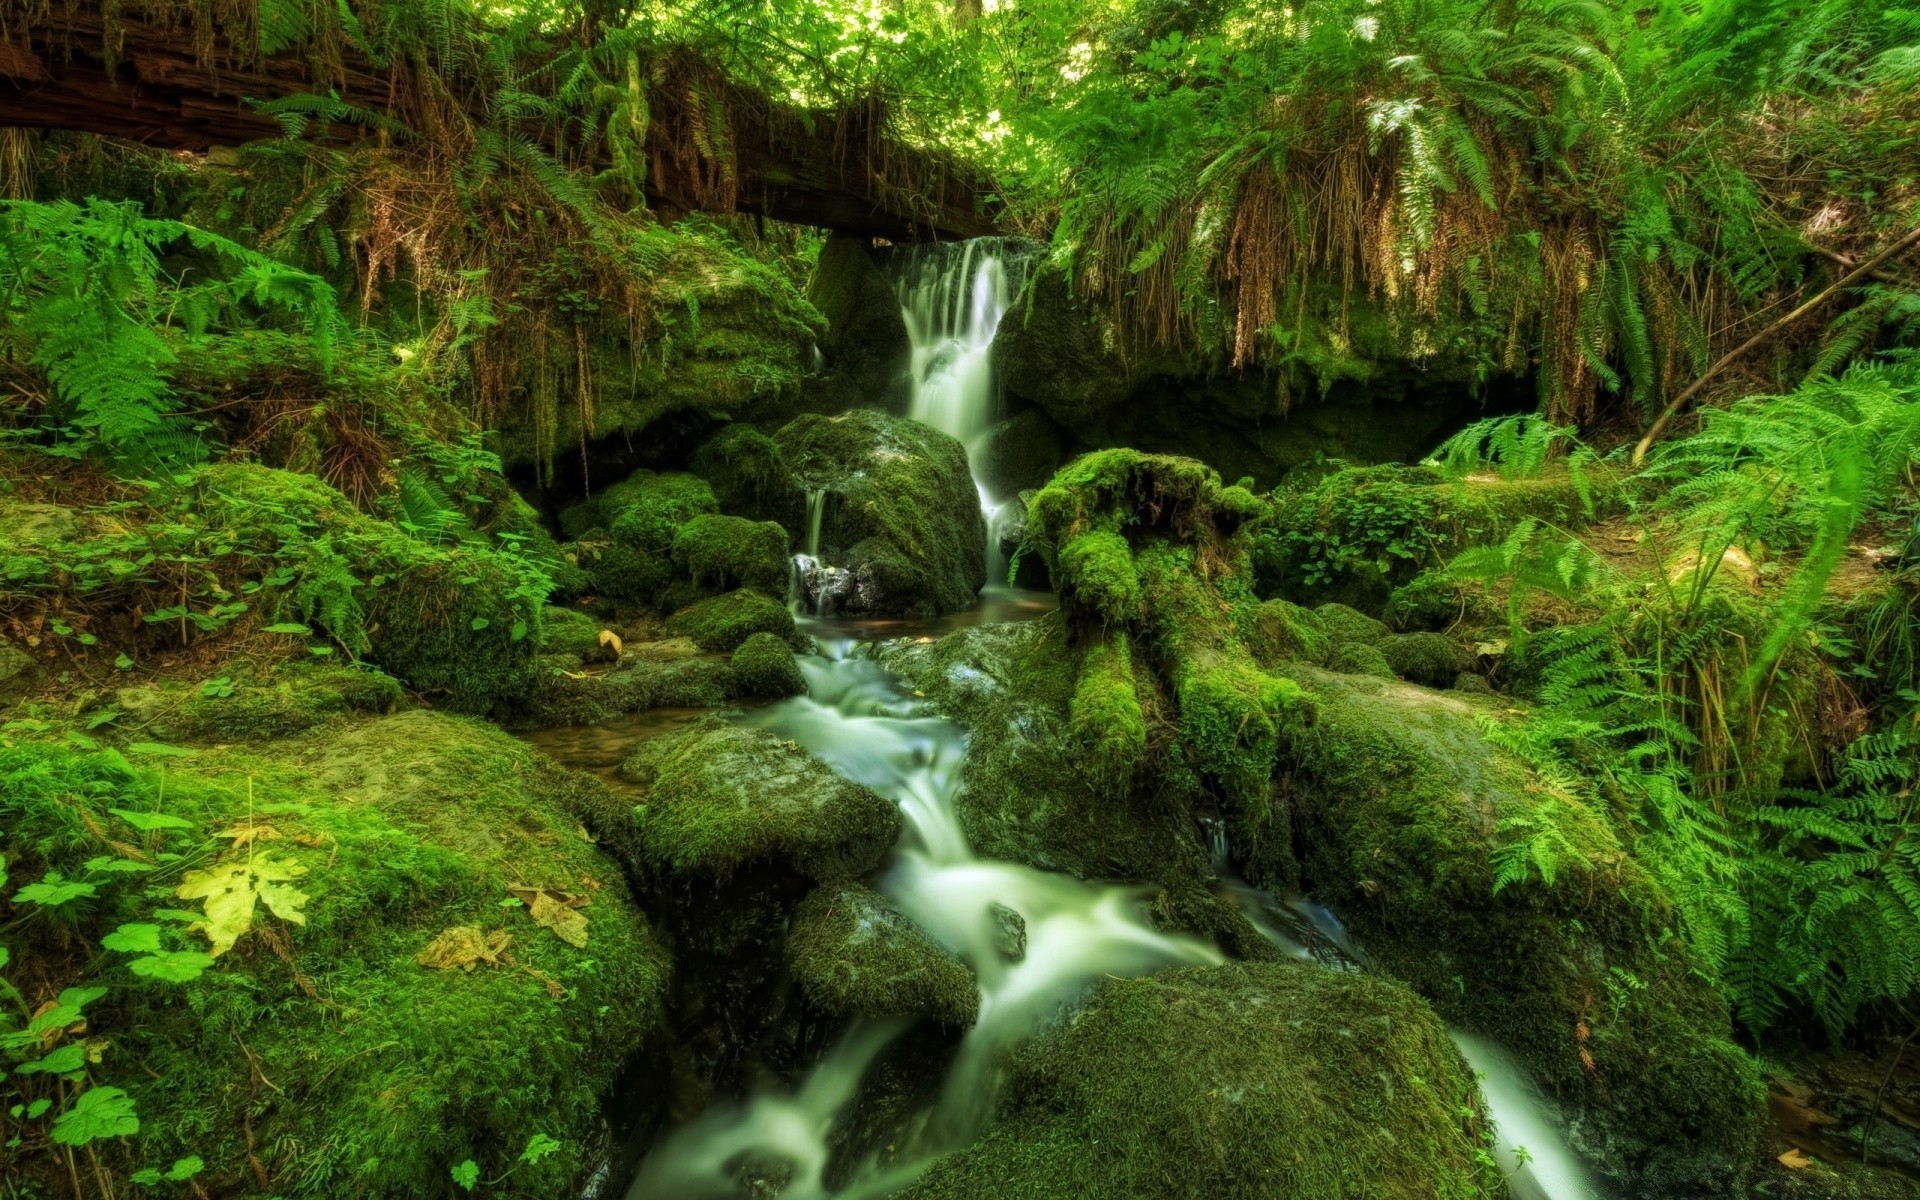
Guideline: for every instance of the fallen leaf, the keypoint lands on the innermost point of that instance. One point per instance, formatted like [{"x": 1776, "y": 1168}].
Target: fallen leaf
[
  {"x": 230, "y": 890},
  {"x": 247, "y": 835},
  {"x": 557, "y": 911},
  {"x": 465, "y": 947},
  {"x": 1794, "y": 1160},
  {"x": 609, "y": 638}
]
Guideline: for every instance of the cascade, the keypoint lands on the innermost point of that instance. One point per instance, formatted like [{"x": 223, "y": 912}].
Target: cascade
[
  {"x": 952, "y": 297},
  {"x": 860, "y": 721}
]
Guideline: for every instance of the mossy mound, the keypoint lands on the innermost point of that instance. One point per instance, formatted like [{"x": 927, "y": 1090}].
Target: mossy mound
[
  {"x": 1426, "y": 658},
  {"x": 721, "y": 623},
  {"x": 321, "y": 1055},
  {"x": 902, "y": 530},
  {"x": 570, "y": 631},
  {"x": 1400, "y": 805},
  {"x": 1285, "y": 632},
  {"x": 1346, "y": 625},
  {"x": 566, "y": 692},
  {"x": 626, "y": 533},
  {"x": 1358, "y": 658},
  {"x": 285, "y": 701},
  {"x": 721, "y": 797},
  {"x": 866, "y": 336},
  {"x": 723, "y": 553},
  {"x": 764, "y": 665},
  {"x": 1019, "y": 453},
  {"x": 856, "y": 955},
  {"x": 1251, "y": 1081},
  {"x": 750, "y": 477}
]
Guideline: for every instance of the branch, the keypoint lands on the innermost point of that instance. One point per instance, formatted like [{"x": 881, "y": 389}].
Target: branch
[{"x": 1660, "y": 423}]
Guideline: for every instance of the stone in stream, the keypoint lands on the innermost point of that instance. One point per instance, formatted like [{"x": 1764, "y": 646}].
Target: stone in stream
[
  {"x": 1009, "y": 932},
  {"x": 855, "y": 954}
]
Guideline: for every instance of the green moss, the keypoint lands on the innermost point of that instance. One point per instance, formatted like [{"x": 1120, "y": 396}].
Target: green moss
[
  {"x": 1252, "y": 1081},
  {"x": 570, "y": 631},
  {"x": 565, "y": 692},
  {"x": 1399, "y": 805},
  {"x": 289, "y": 700},
  {"x": 856, "y": 955},
  {"x": 764, "y": 665},
  {"x": 723, "y": 622},
  {"x": 720, "y": 797},
  {"x": 749, "y": 476},
  {"x": 1425, "y": 658},
  {"x": 384, "y": 1073},
  {"x": 1096, "y": 573},
  {"x": 732, "y": 552},
  {"x": 902, "y": 517},
  {"x": 1358, "y": 658},
  {"x": 1349, "y": 626},
  {"x": 1104, "y": 717},
  {"x": 625, "y": 534},
  {"x": 1432, "y": 601},
  {"x": 1285, "y": 632},
  {"x": 1114, "y": 490}
]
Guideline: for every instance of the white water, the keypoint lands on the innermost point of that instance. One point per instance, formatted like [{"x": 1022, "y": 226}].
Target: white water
[
  {"x": 859, "y": 721},
  {"x": 952, "y": 298}
]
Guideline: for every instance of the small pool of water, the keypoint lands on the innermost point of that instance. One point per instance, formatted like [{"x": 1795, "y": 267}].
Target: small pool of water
[
  {"x": 994, "y": 605},
  {"x": 601, "y": 748}
]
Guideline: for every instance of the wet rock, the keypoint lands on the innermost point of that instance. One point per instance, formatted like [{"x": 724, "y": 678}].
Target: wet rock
[
  {"x": 1251, "y": 1081},
  {"x": 566, "y": 691},
  {"x": 764, "y": 665},
  {"x": 1019, "y": 453},
  {"x": 857, "y": 955},
  {"x": 570, "y": 631},
  {"x": 1358, "y": 658},
  {"x": 902, "y": 531},
  {"x": 287, "y": 701},
  {"x": 866, "y": 334},
  {"x": 722, "y": 623},
  {"x": 1009, "y": 932},
  {"x": 1426, "y": 658}
]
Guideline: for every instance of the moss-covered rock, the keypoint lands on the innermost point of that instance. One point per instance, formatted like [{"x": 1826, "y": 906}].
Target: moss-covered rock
[
  {"x": 1349, "y": 626},
  {"x": 570, "y": 631},
  {"x": 866, "y": 335},
  {"x": 289, "y": 700},
  {"x": 566, "y": 691},
  {"x": 625, "y": 535},
  {"x": 750, "y": 477},
  {"x": 1427, "y": 658},
  {"x": 856, "y": 955},
  {"x": 902, "y": 532},
  {"x": 732, "y": 552},
  {"x": 721, "y": 797},
  {"x": 1358, "y": 658},
  {"x": 1096, "y": 573},
  {"x": 1285, "y": 632},
  {"x": 764, "y": 665},
  {"x": 351, "y": 1058},
  {"x": 1400, "y": 805},
  {"x": 1019, "y": 453},
  {"x": 722, "y": 623},
  {"x": 1252, "y": 1081}
]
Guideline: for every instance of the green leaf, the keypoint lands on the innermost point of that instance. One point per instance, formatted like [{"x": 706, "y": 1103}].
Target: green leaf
[
  {"x": 101, "y": 1112},
  {"x": 293, "y": 627},
  {"x": 230, "y": 890},
  {"x": 122, "y": 663},
  {"x": 62, "y": 1061},
  {"x": 53, "y": 891},
  {"x": 6, "y": 956},
  {"x": 106, "y": 864},
  {"x": 478, "y": 623},
  {"x": 466, "y": 1174},
  {"x": 185, "y": 1168},
  {"x": 185, "y": 916},
  {"x": 38, "y": 1109},
  {"x": 172, "y": 966},
  {"x": 146, "y": 1176},
  {"x": 150, "y": 821},
  {"x": 538, "y": 1147},
  {"x": 133, "y": 939}
]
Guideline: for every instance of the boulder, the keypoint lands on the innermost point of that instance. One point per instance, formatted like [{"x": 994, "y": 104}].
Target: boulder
[
  {"x": 722, "y": 623},
  {"x": 902, "y": 532},
  {"x": 866, "y": 334},
  {"x": 764, "y": 665},
  {"x": 856, "y": 955}
]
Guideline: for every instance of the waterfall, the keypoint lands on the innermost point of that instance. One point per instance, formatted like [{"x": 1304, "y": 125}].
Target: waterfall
[
  {"x": 807, "y": 562},
  {"x": 952, "y": 297},
  {"x": 860, "y": 721}
]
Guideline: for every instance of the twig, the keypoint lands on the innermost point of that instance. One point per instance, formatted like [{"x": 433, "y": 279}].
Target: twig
[{"x": 1660, "y": 423}]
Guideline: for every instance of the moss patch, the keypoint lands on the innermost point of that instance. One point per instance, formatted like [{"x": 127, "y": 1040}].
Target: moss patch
[
  {"x": 722, "y": 623},
  {"x": 289, "y": 700},
  {"x": 764, "y": 665},
  {"x": 857, "y": 955},
  {"x": 722, "y": 553},
  {"x": 1426, "y": 658},
  {"x": 566, "y": 691},
  {"x": 721, "y": 797},
  {"x": 1253, "y": 1080}
]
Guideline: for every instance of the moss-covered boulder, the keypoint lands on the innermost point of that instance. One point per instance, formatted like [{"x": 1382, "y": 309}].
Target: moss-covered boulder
[
  {"x": 1349, "y": 626},
  {"x": 1427, "y": 658},
  {"x": 866, "y": 334},
  {"x": 570, "y": 631},
  {"x": 750, "y": 477},
  {"x": 1401, "y": 811},
  {"x": 566, "y": 691},
  {"x": 1251, "y": 1081},
  {"x": 721, "y": 797},
  {"x": 902, "y": 530},
  {"x": 272, "y": 704},
  {"x": 723, "y": 553},
  {"x": 1285, "y": 632},
  {"x": 1019, "y": 453},
  {"x": 722, "y": 623},
  {"x": 855, "y": 954},
  {"x": 437, "y": 967},
  {"x": 1360, "y": 658},
  {"x": 625, "y": 534},
  {"x": 764, "y": 665}
]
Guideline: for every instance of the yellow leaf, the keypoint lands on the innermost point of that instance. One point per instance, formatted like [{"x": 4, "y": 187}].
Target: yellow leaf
[
  {"x": 1794, "y": 1160},
  {"x": 246, "y": 835},
  {"x": 557, "y": 911},
  {"x": 465, "y": 947},
  {"x": 230, "y": 890},
  {"x": 609, "y": 638}
]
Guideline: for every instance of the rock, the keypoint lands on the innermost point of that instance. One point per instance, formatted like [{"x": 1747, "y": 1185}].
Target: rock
[
  {"x": 1358, "y": 658},
  {"x": 1009, "y": 932},
  {"x": 566, "y": 692},
  {"x": 290, "y": 700},
  {"x": 1250, "y": 1081},
  {"x": 732, "y": 552},
  {"x": 1285, "y": 632},
  {"x": 866, "y": 333},
  {"x": 1062, "y": 355},
  {"x": 1426, "y": 658},
  {"x": 1399, "y": 804},
  {"x": 17, "y": 672},
  {"x": 764, "y": 665},
  {"x": 1349, "y": 626},
  {"x": 1019, "y": 453},
  {"x": 1473, "y": 684},
  {"x": 721, "y": 797},
  {"x": 570, "y": 631},
  {"x": 625, "y": 534},
  {"x": 723, "y": 622},
  {"x": 750, "y": 478},
  {"x": 39, "y": 523},
  {"x": 856, "y": 955},
  {"x": 902, "y": 531}
]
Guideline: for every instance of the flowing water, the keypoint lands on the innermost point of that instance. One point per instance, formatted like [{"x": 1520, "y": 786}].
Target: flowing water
[{"x": 859, "y": 719}]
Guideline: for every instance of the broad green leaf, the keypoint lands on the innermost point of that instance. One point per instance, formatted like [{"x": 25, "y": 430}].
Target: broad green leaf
[
  {"x": 60, "y": 1062},
  {"x": 133, "y": 939},
  {"x": 146, "y": 1176},
  {"x": 293, "y": 627},
  {"x": 184, "y": 916},
  {"x": 38, "y": 1109},
  {"x": 106, "y": 864},
  {"x": 151, "y": 821},
  {"x": 230, "y": 890},
  {"x": 538, "y": 1147},
  {"x": 53, "y": 891},
  {"x": 172, "y": 966},
  {"x": 185, "y": 1168},
  {"x": 466, "y": 1174},
  {"x": 101, "y": 1112}
]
